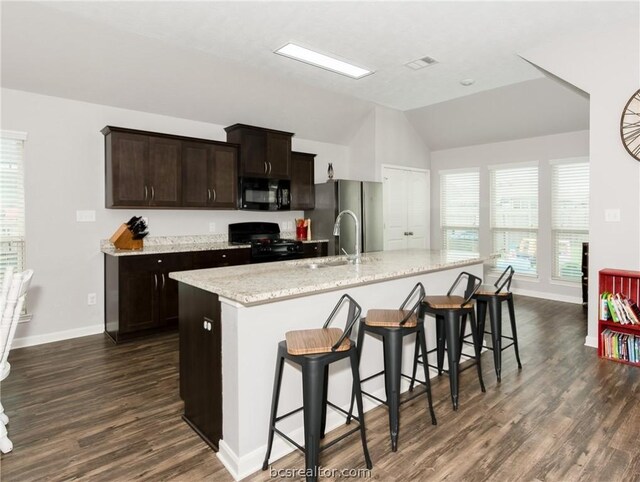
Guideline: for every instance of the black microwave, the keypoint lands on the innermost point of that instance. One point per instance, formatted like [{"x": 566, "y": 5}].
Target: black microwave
[{"x": 258, "y": 194}]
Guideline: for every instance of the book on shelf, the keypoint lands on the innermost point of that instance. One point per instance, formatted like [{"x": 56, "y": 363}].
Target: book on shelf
[
  {"x": 620, "y": 346},
  {"x": 619, "y": 309}
]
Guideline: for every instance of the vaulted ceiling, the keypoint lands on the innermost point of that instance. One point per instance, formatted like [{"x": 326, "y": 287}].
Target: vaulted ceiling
[{"x": 214, "y": 62}]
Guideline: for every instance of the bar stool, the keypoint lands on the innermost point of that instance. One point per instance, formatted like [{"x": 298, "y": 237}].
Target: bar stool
[
  {"x": 393, "y": 326},
  {"x": 450, "y": 311},
  {"x": 314, "y": 350},
  {"x": 493, "y": 296}
]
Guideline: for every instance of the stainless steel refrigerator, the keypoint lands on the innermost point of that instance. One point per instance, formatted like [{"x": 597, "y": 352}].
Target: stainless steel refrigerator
[{"x": 364, "y": 199}]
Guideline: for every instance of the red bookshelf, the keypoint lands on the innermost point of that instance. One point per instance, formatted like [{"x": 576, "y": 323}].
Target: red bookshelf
[{"x": 624, "y": 282}]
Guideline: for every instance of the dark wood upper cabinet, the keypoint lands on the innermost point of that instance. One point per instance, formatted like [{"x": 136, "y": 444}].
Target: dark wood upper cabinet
[
  {"x": 209, "y": 175},
  {"x": 263, "y": 152},
  {"x": 164, "y": 172},
  {"x": 126, "y": 183},
  {"x": 302, "y": 181},
  {"x": 223, "y": 176},
  {"x": 153, "y": 170}
]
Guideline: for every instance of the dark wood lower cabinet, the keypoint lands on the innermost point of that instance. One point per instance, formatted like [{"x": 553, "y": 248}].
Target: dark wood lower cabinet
[
  {"x": 201, "y": 362},
  {"x": 141, "y": 299},
  {"x": 315, "y": 250},
  {"x": 139, "y": 296}
]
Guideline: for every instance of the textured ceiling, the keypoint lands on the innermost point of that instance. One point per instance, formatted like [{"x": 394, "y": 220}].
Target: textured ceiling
[{"x": 213, "y": 61}]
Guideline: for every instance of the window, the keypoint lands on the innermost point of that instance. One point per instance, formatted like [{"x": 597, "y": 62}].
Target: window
[
  {"x": 569, "y": 216},
  {"x": 460, "y": 209},
  {"x": 12, "y": 232},
  {"x": 514, "y": 217}
]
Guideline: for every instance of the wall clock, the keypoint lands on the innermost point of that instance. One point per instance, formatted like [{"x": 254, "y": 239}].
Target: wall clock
[{"x": 630, "y": 126}]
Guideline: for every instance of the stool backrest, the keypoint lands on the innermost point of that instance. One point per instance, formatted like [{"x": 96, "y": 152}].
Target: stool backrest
[
  {"x": 473, "y": 283},
  {"x": 505, "y": 283},
  {"x": 418, "y": 290},
  {"x": 353, "y": 315},
  {"x": 11, "y": 311}
]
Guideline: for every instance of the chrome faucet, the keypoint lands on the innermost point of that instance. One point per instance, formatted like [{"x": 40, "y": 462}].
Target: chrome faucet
[{"x": 354, "y": 258}]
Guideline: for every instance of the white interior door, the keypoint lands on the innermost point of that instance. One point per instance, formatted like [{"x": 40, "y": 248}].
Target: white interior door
[
  {"x": 394, "y": 194},
  {"x": 406, "y": 208},
  {"x": 418, "y": 209}
]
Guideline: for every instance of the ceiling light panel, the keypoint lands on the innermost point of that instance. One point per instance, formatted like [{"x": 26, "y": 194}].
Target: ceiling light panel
[{"x": 323, "y": 61}]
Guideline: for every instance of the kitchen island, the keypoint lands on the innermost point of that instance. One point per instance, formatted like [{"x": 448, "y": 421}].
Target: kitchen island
[{"x": 246, "y": 311}]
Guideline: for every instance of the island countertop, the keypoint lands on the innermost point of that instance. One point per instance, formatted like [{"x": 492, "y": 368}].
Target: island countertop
[{"x": 269, "y": 282}]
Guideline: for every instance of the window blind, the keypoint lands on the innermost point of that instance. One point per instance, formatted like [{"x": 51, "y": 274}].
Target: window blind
[
  {"x": 514, "y": 217},
  {"x": 460, "y": 209},
  {"x": 569, "y": 216},
  {"x": 12, "y": 224}
]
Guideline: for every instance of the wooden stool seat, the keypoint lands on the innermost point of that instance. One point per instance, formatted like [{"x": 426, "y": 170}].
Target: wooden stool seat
[
  {"x": 390, "y": 318},
  {"x": 446, "y": 302},
  {"x": 316, "y": 341},
  {"x": 490, "y": 290}
]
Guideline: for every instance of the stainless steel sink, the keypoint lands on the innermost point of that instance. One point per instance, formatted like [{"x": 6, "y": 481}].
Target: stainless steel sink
[{"x": 327, "y": 265}]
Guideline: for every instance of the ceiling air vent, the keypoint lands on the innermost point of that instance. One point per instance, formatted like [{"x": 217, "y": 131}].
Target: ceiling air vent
[{"x": 421, "y": 63}]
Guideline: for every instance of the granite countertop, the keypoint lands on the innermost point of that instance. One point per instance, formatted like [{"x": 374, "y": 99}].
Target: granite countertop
[
  {"x": 269, "y": 282},
  {"x": 180, "y": 244}
]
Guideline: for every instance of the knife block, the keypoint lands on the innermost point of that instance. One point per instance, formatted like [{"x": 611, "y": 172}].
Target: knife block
[{"x": 123, "y": 239}]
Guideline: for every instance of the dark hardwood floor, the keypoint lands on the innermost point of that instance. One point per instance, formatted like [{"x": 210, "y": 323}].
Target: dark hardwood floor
[{"x": 87, "y": 409}]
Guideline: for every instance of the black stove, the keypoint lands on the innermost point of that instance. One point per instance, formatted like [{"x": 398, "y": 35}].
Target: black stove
[{"x": 265, "y": 240}]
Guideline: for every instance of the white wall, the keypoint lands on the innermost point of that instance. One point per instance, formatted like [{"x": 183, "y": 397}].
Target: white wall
[
  {"x": 385, "y": 137},
  {"x": 397, "y": 142},
  {"x": 607, "y": 66},
  {"x": 540, "y": 149},
  {"x": 362, "y": 151},
  {"x": 65, "y": 172}
]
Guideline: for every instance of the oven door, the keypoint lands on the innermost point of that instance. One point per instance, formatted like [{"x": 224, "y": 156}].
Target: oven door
[{"x": 265, "y": 194}]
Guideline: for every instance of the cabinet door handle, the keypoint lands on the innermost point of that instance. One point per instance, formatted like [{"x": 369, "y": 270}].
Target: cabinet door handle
[
  {"x": 265, "y": 167},
  {"x": 153, "y": 193},
  {"x": 214, "y": 194},
  {"x": 145, "y": 192},
  {"x": 163, "y": 280},
  {"x": 155, "y": 281},
  {"x": 209, "y": 194},
  {"x": 410, "y": 233},
  {"x": 269, "y": 167}
]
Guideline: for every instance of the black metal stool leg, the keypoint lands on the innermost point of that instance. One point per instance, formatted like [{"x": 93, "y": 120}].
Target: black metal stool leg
[
  {"x": 360, "y": 342},
  {"x": 312, "y": 391},
  {"x": 416, "y": 354},
  {"x": 420, "y": 336},
  {"x": 463, "y": 328},
  {"x": 353, "y": 358},
  {"x": 477, "y": 347},
  {"x": 495, "y": 318},
  {"x": 452, "y": 331},
  {"x": 440, "y": 339},
  {"x": 274, "y": 406},
  {"x": 482, "y": 317},
  {"x": 514, "y": 332},
  {"x": 392, "y": 342},
  {"x": 325, "y": 393}
]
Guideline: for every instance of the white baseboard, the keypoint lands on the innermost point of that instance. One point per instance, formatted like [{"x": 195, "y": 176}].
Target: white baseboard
[
  {"x": 57, "y": 336},
  {"x": 548, "y": 296},
  {"x": 591, "y": 341}
]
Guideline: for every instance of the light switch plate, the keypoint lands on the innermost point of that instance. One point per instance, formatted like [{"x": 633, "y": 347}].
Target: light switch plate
[
  {"x": 612, "y": 215},
  {"x": 212, "y": 227},
  {"x": 91, "y": 299},
  {"x": 86, "y": 216}
]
